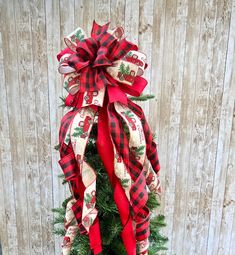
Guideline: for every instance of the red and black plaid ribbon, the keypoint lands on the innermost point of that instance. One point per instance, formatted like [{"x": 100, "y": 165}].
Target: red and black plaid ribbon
[
  {"x": 100, "y": 50},
  {"x": 138, "y": 192},
  {"x": 70, "y": 168},
  {"x": 151, "y": 148}
]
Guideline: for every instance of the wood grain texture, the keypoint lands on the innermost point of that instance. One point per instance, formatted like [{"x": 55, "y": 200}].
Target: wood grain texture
[
  {"x": 29, "y": 124},
  {"x": 7, "y": 209},
  {"x": 19, "y": 234},
  {"x": 191, "y": 52}
]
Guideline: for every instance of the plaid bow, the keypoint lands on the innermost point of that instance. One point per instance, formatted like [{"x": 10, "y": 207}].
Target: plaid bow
[{"x": 95, "y": 53}]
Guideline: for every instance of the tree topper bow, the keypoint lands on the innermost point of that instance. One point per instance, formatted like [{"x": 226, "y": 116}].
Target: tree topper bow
[{"x": 98, "y": 73}]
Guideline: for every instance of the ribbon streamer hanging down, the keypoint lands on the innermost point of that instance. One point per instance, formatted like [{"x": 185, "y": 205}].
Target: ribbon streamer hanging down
[{"x": 99, "y": 71}]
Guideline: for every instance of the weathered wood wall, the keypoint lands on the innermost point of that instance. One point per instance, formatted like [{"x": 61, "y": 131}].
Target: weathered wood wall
[{"x": 190, "y": 46}]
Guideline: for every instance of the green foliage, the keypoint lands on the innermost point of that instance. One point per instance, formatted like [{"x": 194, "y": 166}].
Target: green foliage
[
  {"x": 66, "y": 86},
  {"x": 140, "y": 150},
  {"x": 122, "y": 68},
  {"x": 62, "y": 98},
  {"x": 129, "y": 114},
  {"x": 78, "y": 132},
  {"x": 59, "y": 231},
  {"x": 142, "y": 97},
  {"x": 125, "y": 183},
  {"x": 61, "y": 176},
  {"x": 157, "y": 240},
  {"x": 152, "y": 202},
  {"x": 81, "y": 245},
  {"x": 79, "y": 35},
  {"x": 57, "y": 147},
  {"x": 127, "y": 70}
]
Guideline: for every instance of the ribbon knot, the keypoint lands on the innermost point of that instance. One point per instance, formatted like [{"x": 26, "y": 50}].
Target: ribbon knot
[{"x": 91, "y": 54}]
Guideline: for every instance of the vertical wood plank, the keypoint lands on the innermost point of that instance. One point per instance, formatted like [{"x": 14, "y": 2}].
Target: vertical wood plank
[
  {"x": 7, "y": 200},
  {"x": 78, "y": 13},
  {"x": 224, "y": 136},
  {"x": 66, "y": 19},
  {"x": 102, "y": 11},
  {"x": 175, "y": 91},
  {"x": 132, "y": 20},
  {"x": 188, "y": 89},
  {"x": 157, "y": 63},
  {"x": 201, "y": 98},
  {"x": 27, "y": 92},
  {"x": 227, "y": 232},
  {"x": 227, "y": 228},
  {"x": 159, "y": 26},
  {"x": 3, "y": 225},
  {"x": 212, "y": 127},
  {"x": 230, "y": 78},
  {"x": 117, "y": 13},
  {"x": 89, "y": 10},
  {"x": 164, "y": 128},
  {"x": 40, "y": 81},
  {"x": 53, "y": 40},
  {"x": 9, "y": 41},
  {"x": 176, "y": 110},
  {"x": 232, "y": 242}
]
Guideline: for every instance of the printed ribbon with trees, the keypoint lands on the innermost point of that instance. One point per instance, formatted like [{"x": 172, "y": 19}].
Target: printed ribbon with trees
[{"x": 99, "y": 72}]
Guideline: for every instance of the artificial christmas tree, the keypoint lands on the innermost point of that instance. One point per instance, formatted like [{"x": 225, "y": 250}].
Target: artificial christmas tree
[{"x": 104, "y": 142}]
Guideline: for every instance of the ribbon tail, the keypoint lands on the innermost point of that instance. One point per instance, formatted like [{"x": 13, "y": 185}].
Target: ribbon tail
[
  {"x": 105, "y": 149},
  {"x": 95, "y": 237},
  {"x": 86, "y": 213},
  {"x": 138, "y": 193},
  {"x": 151, "y": 149}
]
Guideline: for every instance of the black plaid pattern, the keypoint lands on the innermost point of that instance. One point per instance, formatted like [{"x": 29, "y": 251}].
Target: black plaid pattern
[
  {"x": 100, "y": 50},
  {"x": 151, "y": 149},
  {"x": 77, "y": 210},
  {"x": 138, "y": 191}
]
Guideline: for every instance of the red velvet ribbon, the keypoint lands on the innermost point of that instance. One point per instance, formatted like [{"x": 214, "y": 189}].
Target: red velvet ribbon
[{"x": 105, "y": 149}]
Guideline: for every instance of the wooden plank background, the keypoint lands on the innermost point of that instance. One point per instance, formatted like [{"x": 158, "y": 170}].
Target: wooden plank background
[{"x": 191, "y": 52}]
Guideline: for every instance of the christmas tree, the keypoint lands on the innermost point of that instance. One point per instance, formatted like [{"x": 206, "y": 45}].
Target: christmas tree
[{"x": 110, "y": 223}]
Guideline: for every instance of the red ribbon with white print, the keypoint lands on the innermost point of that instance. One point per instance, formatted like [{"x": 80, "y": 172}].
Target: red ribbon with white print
[{"x": 99, "y": 71}]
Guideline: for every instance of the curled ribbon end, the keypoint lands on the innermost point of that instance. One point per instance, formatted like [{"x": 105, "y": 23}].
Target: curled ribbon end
[{"x": 98, "y": 29}]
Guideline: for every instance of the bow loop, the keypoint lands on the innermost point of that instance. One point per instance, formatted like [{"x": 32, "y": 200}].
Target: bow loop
[
  {"x": 74, "y": 38},
  {"x": 123, "y": 48},
  {"x": 98, "y": 29},
  {"x": 87, "y": 49},
  {"x": 76, "y": 62}
]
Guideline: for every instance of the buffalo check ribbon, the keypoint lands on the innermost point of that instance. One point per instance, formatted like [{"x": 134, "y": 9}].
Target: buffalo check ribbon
[{"x": 98, "y": 73}]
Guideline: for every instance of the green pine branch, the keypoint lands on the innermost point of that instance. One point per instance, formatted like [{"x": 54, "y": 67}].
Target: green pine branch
[
  {"x": 142, "y": 97},
  {"x": 57, "y": 147}
]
